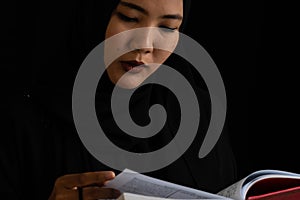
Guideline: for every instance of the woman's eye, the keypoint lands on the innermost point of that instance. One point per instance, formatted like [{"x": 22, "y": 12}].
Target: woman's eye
[
  {"x": 126, "y": 18},
  {"x": 167, "y": 29}
]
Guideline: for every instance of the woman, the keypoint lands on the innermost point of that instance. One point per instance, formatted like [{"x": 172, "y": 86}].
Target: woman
[{"x": 43, "y": 157}]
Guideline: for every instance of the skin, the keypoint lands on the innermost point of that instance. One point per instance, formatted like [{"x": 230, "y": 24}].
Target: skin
[
  {"x": 147, "y": 44},
  {"x": 129, "y": 14},
  {"x": 66, "y": 187}
]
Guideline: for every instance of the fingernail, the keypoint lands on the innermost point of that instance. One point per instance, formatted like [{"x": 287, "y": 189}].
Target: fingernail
[{"x": 110, "y": 175}]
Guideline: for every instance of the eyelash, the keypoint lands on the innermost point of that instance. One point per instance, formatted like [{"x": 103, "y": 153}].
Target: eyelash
[
  {"x": 168, "y": 29},
  {"x": 126, "y": 18},
  {"x": 130, "y": 19}
]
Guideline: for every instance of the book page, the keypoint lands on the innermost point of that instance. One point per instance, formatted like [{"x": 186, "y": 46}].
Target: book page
[
  {"x": 132, "y": 182},
  {"x": 131, "y": 196},
  {"x": 234, "y": 191}
]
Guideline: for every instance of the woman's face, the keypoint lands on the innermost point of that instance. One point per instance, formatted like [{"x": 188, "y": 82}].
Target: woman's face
[{"x": 165, "y": 16}]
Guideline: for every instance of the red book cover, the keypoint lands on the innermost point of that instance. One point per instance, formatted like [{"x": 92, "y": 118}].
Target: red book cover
[
  {"x": 287, "y": 194},
  {"x": 275, "y": 189}
]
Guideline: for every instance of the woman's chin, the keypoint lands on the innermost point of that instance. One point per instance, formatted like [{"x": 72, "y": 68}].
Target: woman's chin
[
  {"x": 133, "y": 78},
  {"x": 127, "y": 81}
]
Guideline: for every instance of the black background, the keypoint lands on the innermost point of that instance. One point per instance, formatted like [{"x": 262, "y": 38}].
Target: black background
[
  {"x": 253, "y": 44},
  {"x": 231, "y": 33},
  {"x": 237, "y": 36}
]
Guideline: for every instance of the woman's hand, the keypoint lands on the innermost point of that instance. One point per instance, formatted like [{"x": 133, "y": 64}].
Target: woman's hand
[{"x": 87, "y": 186}]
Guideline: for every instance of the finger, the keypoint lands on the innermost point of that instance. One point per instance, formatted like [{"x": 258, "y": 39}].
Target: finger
[
  {"x": 66, "y": 195},
  {"x": 95, "y": 192},
  {"x": 85, "y": 179}
]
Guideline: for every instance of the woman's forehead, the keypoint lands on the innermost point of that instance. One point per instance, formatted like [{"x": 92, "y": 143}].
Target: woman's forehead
[{"x": 157, "y": 6}]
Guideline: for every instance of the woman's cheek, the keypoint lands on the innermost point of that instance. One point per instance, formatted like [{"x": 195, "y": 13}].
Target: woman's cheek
[
  {"x": 162, "y": 56},
  {"x": 114, "y": 27}
]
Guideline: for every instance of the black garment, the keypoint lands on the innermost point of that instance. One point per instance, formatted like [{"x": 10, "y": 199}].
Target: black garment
[{"x": 38, "y": 146}]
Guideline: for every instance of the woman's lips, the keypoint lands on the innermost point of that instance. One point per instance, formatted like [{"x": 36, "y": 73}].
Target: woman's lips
[{"x": 132, "y": 66}]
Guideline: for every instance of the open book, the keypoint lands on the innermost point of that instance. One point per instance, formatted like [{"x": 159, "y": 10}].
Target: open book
[
  {"x": 259, "y": 185},
  {"x": 136, "y": 186}
]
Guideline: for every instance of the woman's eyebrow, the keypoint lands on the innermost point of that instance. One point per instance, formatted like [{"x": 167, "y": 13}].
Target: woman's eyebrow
[
  {"x": 142, "y": 10},
  {"x": 175, "y": 16}
]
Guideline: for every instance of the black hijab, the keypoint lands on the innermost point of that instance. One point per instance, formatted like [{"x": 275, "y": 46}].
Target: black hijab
[
  {"x": 62, "y": 45},
  {"x": 140, "y": 103},
  {"x": 57, "y": 61},
  {"x": 55, "y": 71}
]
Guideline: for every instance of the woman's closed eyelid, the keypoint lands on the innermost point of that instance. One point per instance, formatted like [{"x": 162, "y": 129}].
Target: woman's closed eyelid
[
  {"x": 126, "y": 18},
  {"x": 168, "y": 29}
]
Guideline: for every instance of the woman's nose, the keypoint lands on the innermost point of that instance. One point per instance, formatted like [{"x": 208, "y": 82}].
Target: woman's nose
[{"x": 142, "y": 40}]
